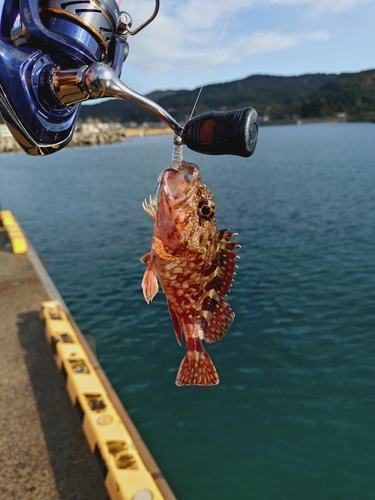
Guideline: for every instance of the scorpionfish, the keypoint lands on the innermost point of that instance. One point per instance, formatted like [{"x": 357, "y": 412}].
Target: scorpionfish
[{"x": 194, "y": 263}]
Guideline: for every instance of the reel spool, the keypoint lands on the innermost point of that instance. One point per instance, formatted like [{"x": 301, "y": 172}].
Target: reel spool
[
  {"x": 88, "y": 24},
  {"x": 81, "y": 31}
]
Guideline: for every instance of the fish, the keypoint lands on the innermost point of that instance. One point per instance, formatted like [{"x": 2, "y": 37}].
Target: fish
[{"x": 194, "y": 263}]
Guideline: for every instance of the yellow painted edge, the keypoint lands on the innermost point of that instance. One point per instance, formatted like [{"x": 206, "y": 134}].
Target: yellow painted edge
[
  {"x": 16, "y": 237},
  {"x": 103, "y": 428}
]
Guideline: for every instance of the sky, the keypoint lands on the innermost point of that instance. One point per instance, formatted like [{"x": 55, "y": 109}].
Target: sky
[{"x": 198, "y": 42}]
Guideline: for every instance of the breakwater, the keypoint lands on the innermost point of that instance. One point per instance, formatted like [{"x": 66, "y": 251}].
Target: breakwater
[{"x": 89, "y": 134}]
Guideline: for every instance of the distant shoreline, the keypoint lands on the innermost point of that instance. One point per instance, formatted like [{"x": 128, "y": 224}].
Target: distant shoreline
[
  {"x": 89, "y": 134},
  {"x": 94, "y": 134}
]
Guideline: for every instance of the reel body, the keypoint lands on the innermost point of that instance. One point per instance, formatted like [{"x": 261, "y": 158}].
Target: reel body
[
  {"x": 55, "y": 54},
  {"x": 37, "y": 37}
]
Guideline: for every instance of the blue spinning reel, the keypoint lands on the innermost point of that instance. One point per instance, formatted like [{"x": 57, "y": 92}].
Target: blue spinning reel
[{"x": 55, "y": 54}]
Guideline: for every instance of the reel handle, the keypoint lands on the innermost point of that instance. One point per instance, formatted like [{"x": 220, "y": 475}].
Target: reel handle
[{"x": 232, "y": 132}]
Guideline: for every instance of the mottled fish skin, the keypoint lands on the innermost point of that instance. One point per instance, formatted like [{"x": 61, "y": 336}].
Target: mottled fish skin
[{"x": 194, "y": 263}]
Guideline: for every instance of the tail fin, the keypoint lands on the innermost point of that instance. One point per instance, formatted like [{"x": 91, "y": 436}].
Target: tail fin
[{"x": 197, "y": 368}]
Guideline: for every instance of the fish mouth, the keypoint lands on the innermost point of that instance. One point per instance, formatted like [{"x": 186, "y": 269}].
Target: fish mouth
[{"x": 178, "y": 184}]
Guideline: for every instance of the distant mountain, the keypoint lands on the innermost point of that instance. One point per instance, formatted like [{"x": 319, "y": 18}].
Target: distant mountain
[
  {"x": 280, "y": 97},
  {"x": 277, "y": 96}
]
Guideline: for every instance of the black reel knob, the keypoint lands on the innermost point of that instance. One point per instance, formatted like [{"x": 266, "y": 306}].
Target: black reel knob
[{"x": 223, "y": 132}]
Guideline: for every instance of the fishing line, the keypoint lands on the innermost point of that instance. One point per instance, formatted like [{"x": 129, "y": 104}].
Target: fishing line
[
  {"x": 131, "y": 7},
  {"x": 177, "y": 153},
  {"x": 217, "y": 48}
]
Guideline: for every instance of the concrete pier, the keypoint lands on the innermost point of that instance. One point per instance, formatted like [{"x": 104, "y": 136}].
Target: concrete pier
[{"x": 43, "y": 452}]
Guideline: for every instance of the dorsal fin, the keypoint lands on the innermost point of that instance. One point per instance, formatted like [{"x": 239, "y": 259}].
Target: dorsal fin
[{"x": 217, "y": 314}]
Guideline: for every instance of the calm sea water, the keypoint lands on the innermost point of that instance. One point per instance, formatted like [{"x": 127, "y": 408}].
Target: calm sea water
[{"x": 294, "y": 415}]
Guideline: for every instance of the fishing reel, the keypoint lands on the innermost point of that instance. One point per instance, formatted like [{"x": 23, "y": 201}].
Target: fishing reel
[{"x": 55, "y": 54}]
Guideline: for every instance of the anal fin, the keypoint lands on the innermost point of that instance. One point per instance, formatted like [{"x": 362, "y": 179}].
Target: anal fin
[{"x": 176, "y": 324}]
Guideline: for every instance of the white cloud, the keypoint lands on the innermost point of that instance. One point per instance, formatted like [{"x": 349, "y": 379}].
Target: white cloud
[
  {"x": 185, "y": 34},
  {"x": 200, "y": 13},
  {"x": 178, "y": 45},
  {"x": 270, "y": 41},
  {"x": 321, "y": 5}
]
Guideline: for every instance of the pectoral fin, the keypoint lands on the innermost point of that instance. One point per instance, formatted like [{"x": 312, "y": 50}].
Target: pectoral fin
[{"x": 150, "y": 285}]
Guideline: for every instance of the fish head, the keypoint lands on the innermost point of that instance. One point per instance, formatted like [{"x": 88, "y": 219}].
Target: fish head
[{"x": 186, "y": 211}]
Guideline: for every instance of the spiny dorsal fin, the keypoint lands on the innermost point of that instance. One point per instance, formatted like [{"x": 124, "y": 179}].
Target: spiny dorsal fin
[
  {"x": 151, "y": 207},
  {"x": 217, "y": 314}
]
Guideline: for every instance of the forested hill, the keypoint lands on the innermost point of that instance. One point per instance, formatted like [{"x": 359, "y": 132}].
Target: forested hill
[{"x": 350, "y": 93}]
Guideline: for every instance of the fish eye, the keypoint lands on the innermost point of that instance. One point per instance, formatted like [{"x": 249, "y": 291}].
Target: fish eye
[{"x": 206, "y": 209}]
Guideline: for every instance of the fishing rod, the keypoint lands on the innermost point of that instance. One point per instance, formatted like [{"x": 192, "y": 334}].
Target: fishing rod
[{"x": 56, "y": 54}]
